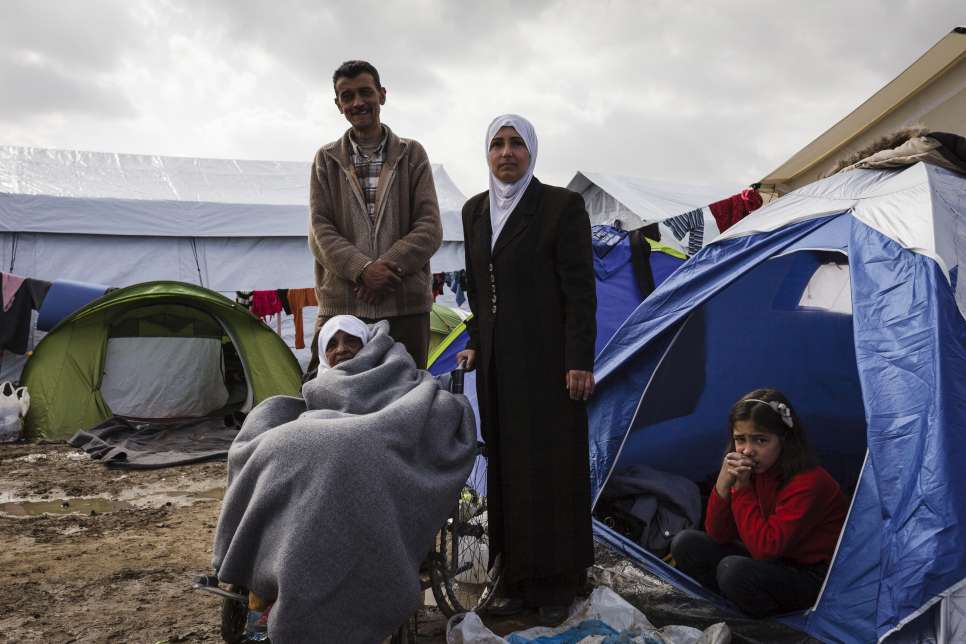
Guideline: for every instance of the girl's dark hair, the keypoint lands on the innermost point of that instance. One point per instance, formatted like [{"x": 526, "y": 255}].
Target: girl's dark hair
[{"x": 797, "y": 455}]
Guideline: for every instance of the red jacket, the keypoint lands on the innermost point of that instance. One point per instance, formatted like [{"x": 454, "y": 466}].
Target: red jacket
[{"x": 800, "y": 522}]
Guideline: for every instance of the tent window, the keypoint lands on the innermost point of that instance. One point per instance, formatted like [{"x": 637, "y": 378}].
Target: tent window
[
  {"x": 171, "y": 360},
  {"x": 816, "y": 281}
]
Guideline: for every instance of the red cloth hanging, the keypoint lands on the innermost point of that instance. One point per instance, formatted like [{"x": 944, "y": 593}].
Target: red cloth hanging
[
  {"x": 730, "y": 211},
  {"x": 266, "y": 303}
]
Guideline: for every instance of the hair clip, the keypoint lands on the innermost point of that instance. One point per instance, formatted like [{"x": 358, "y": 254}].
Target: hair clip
[{"x": 780, "y": 408}]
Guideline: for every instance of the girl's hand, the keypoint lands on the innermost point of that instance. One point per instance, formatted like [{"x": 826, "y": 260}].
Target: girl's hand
[
  {"x": 735, "y": 472},
  {"x": 743, "y": 473}
]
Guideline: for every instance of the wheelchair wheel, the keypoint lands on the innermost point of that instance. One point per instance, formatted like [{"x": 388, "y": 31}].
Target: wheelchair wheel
[
  {"x": 405, "y": 634},
  {"x": 233, "y": 616},
  {"x": 459, "y": 572}
]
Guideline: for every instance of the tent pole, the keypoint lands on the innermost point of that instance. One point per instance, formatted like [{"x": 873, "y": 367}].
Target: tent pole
[
  {"x": 194, "y": 249},
  {"x": 13, "y": 251}
]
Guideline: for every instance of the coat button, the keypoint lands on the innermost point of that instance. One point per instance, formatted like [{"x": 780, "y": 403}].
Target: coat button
[{"x": 494, "y": 309}]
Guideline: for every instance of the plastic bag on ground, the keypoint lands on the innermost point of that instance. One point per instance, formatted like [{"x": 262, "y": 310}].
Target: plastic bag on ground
[
  {"x": 9, "y": 402},
  {"x": 604, "y": 618},
  {"x": 14, "y": 404},
  {"x": 11, "y": 429}
]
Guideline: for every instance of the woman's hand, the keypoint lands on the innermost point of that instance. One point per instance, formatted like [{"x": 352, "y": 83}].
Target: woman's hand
[
  {"x": 735, "y": 472},
  {"x": 580, "y": 384},
  {"x": 469, "y": 355}
]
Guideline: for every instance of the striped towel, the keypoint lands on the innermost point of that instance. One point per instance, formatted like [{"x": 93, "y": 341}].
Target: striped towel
[{"x": 690, "y": 222}]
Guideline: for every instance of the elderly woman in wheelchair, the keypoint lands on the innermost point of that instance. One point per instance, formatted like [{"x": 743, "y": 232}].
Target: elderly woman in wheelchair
[{"x": 335, "y": 498}]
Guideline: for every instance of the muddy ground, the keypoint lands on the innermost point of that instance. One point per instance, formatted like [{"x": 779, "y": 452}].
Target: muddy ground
[{"x": 90, "y": 554}]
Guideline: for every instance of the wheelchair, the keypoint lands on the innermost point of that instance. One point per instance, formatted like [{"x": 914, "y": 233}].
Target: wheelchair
[{"x": 456, "y": 569}]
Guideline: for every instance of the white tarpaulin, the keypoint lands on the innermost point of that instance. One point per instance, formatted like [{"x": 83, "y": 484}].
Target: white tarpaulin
[
  {"x": 603, "y": 617},
  {"x": 918, "y": 207},
  {"x": 163, "y": 377},
  {"x": 120, "y": 219},
  {"x": 636, "y": 202}
]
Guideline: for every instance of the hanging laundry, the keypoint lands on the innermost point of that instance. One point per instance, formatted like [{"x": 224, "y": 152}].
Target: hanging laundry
[
  {"x": 730, "y": 211},
  {"x": 456, "y": 281},
  {"x": 690, "y": 224},
  {"x": 438, "y": 283},
  {"x": 11, "y": 284},
  {"x": 265, "y": 303},
  {"x": 283, "y": 298},
  {"x": 244, "y": 298},
  {"x": 15, "y": 320},
  {"x": 298, "y": 299}
]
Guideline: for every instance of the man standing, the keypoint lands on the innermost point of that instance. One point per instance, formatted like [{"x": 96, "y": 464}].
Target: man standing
[{"x": 374, "y": 219}]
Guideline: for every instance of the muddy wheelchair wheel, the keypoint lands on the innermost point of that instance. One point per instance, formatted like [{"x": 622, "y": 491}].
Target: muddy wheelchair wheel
[
  {"x": 459, "y": 572},
  {"x": 405, "y": 634},
  {"x": 233, "y": 616}
]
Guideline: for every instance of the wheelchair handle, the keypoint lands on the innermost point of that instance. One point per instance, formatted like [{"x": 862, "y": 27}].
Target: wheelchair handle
[{"x": 456, "y": 378}]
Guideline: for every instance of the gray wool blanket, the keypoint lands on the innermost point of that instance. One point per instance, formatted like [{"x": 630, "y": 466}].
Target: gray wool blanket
[{"x": 333, "y": 499}]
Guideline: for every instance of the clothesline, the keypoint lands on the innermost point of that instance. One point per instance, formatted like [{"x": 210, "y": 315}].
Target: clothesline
[
  {"x": 726, "y": 213},
  {"x": 455, "y": 280},
  {"x": 21, "y": 296},
  {"x": 272, "y": 303}
]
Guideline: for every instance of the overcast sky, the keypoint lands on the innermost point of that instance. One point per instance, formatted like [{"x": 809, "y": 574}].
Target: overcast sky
[{"x": 716, "y": 93}]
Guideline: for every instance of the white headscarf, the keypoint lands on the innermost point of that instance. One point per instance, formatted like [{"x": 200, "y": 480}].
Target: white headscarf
[
  {"x": 504, "y": 197},
  {"x": 348, "y": 323}
]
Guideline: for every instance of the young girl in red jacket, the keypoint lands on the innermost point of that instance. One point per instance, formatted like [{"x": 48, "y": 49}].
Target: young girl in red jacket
[{"x": 773, "y": 517}]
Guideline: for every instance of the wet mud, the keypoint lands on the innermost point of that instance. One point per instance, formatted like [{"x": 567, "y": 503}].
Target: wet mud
[{"x": 91, "y": 554}]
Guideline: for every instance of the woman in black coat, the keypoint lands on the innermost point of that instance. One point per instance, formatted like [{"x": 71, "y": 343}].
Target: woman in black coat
[{"x": 530, "y": 285}]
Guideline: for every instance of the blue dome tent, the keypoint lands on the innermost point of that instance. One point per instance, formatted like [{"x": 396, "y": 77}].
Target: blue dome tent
[
  {"x": 843, "y": 294},
  {"x": 627, "y": 268}
]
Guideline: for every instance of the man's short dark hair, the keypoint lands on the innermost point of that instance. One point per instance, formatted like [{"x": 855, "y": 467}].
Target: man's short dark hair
[{"x": 352, "y": 68}]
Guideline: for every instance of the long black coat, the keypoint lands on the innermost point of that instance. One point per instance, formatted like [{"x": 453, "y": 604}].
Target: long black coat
[{"x": 534, "y": 302}]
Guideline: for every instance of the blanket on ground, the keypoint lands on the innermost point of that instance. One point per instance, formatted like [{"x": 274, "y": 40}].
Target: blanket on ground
[
  {"x": 138, "y": 444},
  {"x": 333, "y": 499}
]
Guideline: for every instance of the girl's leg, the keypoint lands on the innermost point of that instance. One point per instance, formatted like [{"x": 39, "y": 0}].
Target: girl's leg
[
  {"x": 697, "y": 555},
  {"x": 762, "y": 588}
]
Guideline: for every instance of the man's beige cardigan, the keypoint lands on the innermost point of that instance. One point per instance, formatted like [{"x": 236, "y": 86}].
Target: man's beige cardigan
[{"x": 406, "y": 230}]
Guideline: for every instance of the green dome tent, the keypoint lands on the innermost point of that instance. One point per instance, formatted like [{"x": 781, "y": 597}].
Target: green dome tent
[{"x": 166, "y": 348}]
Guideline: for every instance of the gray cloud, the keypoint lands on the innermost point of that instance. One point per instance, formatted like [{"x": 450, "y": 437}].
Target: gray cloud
[
  {"x": 88, "y": 36},
  {"x": 703, "y": 92},
  {"x": 43, "y": 89},
  {"x": 56, "y": 59}
]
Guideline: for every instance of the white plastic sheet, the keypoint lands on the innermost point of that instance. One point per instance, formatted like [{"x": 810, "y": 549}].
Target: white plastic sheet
[
  {"x": 635, "y": 202},
  {"x": 622, "y": 620},
  {"x": 163, "y": 377},
  {"x": 120, "y": 219}
]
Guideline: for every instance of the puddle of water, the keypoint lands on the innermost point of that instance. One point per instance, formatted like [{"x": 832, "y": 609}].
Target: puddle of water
[
  {"x": 173, "y": 493},
  {"x": 73, "y": 506},
  {"x": 154, "y": 496},
  {"x": 218, "y": 494}
]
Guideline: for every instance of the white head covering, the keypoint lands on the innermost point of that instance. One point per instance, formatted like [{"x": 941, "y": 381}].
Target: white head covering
[
  {"x": 348, "y": 323},
  {"x": 504, "y": 197}
]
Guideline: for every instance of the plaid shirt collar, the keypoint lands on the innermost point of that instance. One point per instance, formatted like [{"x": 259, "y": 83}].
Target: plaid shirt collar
[
  {"x": 378, "y": 153},
  {"x": 368, "y": 169}
]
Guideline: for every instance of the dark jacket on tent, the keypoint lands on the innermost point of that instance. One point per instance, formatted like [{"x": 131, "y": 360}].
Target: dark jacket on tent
[{"x": 533, "y": 299}]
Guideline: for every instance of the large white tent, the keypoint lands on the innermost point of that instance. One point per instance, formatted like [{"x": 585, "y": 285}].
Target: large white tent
[
  {"x": 636, "y": 202},
  {"x": 120, "y": 219}
]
